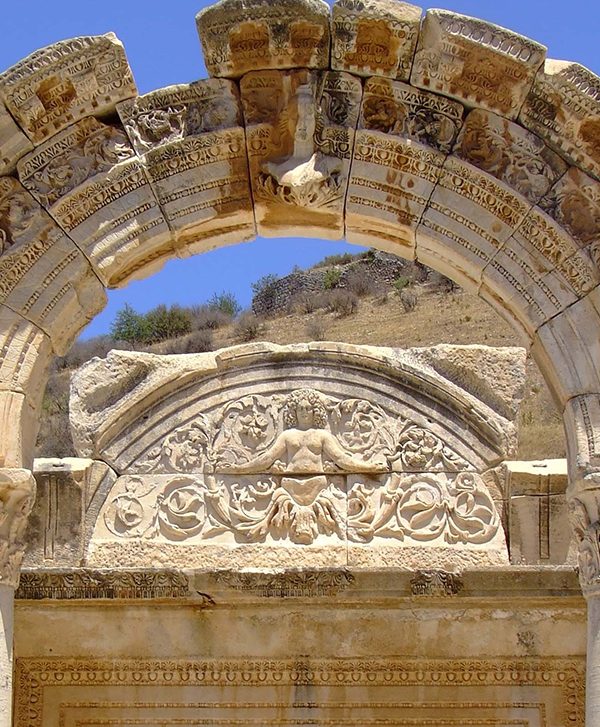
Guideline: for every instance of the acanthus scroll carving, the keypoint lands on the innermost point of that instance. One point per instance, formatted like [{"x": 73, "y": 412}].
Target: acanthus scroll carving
[{"x": 301, "y": 467}]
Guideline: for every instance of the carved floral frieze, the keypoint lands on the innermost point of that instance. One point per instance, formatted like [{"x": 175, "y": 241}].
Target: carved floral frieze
[
  {"x": 251, "y": 425},
  {"x": 301, "y": 467}
]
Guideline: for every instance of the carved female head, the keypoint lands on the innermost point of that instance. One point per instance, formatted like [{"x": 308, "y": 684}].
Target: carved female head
[{"x": 301, "y": 404}]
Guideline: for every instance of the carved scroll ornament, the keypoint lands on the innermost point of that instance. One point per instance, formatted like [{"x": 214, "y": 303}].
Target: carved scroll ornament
[{"x": 299, "y": 467}]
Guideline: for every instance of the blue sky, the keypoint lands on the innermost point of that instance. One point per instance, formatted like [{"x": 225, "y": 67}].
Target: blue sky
[{"x": 163, "y": 48}]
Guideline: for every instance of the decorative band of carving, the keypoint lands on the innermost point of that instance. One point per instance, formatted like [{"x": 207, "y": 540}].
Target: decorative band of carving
[
  {"x": 35, "y": 676},
  {"x": 90, "y": 584},
  {"x": 435, "y": 583},
  {"x": 289, "y": 584}
]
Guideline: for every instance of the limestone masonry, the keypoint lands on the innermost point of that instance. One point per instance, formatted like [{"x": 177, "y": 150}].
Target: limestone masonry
[{"x": 317, "y": 534}]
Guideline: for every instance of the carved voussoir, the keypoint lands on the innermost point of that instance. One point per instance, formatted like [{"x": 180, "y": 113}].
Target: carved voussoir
[
  {"x": 509, "y": 153},
  {"x": 13, "y": 142},
  {"x": 300, "y": 134},
  {"x": 374, "y": 38},
  {"x": 401, "y": 110},
  {"x": 390, "y": 184},
  {"x": 194, "y": 151},
  {"x": 574, "y": 204},
  {"x": 238, "y": 36},
  {"x": 17, "y": 494},
  {"x": 470, "y": 215},
  {"x": 563, "y": 108},
  {"x": 26, "y": 355},
  {"x": 60, "y": 84},
  {"x": 553, "y": 249},
  {"x": 475, "y": 62},
  {"x": 95, "y": 187},
  {"x": 571, "y": 358},
  {"x": 44, "y": 276}
]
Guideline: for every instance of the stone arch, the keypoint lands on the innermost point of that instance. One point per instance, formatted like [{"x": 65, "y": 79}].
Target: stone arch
[{"x": 445, "y": 138}]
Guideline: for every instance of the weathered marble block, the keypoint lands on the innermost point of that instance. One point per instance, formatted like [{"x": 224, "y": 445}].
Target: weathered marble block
[
  {"x": 300, "y": 134},
  {"x": 399, "y": 109},
  {"x": 574, "y": 203},
  {"x": 65, "y": 511},
  {"x": 563, "y": 108},
  {"x": 94, "y": 186},
  {"x": 510, "y": 153},
  {"x": 238, "y": 36},
  {"x": 469, "y": 217},
  {"x": 58, "y": 85},
  {"x": 13, "y": 142},
  {"x": 19, "y": 424},
  {"x": 522, "y": 288},
  {"x": 391, "y": 181},
  {"x": 374, "y": 38},
  {"x": 193, "y": 147},
  {"x": 475, "y": 62},
  {"x": 570, "y": 359},
  {"x": 26, "y": 352},
  {"x": 44, "y": 276},
  {"x": 555, "y": 249}
]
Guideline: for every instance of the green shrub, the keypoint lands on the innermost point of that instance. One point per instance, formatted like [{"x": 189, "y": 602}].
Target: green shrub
[
  {"x": 226, "y": 302},
  {"x": 163, "y": 323},
  {"x": 129, "y": 326},
  {"x": 401, "y": 283},
  {"x": 263, "y": 284},
  {"x": 332, "y": 278}
]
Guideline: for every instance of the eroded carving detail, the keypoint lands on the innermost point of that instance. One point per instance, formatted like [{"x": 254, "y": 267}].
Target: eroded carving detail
[
  {"x": 509, "y": 153},
  {"x": 58, "y": 85},
  {"x": 77, "y": 154},
  {"x": 399, "y": 109},
  {"x": 17, "y": 494},
  {"x": 90, "y": 584},
  {"x": 435, "y": 583},
  {"x": 290, "y": 584}
]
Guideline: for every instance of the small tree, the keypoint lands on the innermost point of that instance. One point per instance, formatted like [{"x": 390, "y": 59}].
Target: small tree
[
  {"x": 225, "y": 302},
  {"x": 162, "y": 323},
  {"x": 129, "y": 326}
]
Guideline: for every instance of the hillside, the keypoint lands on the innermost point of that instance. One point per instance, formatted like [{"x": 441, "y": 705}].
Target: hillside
[{"x": 440, "y": 316}]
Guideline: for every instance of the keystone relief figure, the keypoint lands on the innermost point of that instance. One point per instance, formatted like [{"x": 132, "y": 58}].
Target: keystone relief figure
[{"x": 304, "y": 453}]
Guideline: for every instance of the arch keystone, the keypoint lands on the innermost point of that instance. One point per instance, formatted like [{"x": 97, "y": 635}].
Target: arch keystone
[
  {"x": 475, "y": 62},
  {"x": 239, "y": 36},
  {"x": 65, "y": 82}
]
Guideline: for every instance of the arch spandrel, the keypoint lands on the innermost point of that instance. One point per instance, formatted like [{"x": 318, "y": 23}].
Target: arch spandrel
[{"x": 520, "y": 251}]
